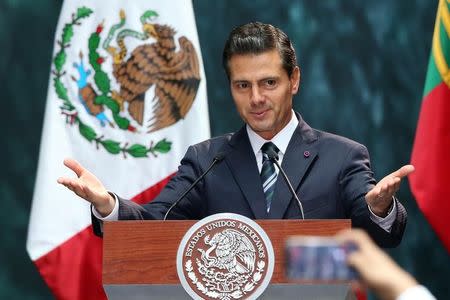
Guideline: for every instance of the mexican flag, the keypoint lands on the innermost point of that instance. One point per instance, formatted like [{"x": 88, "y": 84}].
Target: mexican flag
[
  {"x": 126, "y": 97},
  {"x": 431, "y": 152}
]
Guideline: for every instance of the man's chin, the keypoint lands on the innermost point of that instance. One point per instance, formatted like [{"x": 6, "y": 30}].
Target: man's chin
[
  {"x": 258, "y": 127},
  {"x": 261, "y": 130}
]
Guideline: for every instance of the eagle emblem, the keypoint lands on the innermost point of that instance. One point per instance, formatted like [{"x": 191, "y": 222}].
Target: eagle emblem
[
  {"x": 174, "y": 73},
  {"x": 233, "y": 252},
  {"x": 119, "y": 70},
  {"x": 225, "y": 256}
]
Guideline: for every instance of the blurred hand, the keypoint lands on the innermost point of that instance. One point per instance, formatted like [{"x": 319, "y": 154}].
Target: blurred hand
[
  {"x": 88, "y": 187},
  {"x": 376, "y": 269},
  {"x": 380, "y": 197}
]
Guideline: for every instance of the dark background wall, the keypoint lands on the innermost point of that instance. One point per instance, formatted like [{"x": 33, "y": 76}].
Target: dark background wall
[{"x": 363, "y": 70}]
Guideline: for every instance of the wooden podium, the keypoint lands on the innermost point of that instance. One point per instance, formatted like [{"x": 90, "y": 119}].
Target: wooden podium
[{"x": 139, "y": 259}]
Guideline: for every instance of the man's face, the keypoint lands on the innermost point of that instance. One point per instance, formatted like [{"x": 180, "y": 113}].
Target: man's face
[{"x": 263, "y": 91}]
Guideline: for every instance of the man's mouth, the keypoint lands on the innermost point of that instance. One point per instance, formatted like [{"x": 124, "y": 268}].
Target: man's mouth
[{"x": 260, "y": 113}]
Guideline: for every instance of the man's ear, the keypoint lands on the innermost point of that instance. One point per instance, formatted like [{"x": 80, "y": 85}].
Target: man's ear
[{"x": 295, "y": 80}]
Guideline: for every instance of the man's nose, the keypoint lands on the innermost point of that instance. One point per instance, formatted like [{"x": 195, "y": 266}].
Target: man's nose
[{"x": 256, "y": 96}]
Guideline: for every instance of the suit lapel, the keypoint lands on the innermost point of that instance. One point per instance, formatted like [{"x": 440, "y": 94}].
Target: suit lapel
[
  {"x": 300, "y": 153},
  {"x": 242, "y": 163}
]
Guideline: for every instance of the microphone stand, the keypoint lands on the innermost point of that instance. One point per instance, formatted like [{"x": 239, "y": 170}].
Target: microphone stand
[
  {"x": 219, "y": 157},
  {"x": 273, "y": 156}
]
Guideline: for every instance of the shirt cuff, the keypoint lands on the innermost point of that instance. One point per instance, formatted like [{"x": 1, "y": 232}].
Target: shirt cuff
[
  {"x": 113, "y": 216},
  {"x": 386, "y": 222},
  {"x": 416, "y": 292}
]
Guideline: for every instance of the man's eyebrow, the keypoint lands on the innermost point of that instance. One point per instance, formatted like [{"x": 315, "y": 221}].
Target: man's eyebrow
[
  {"x": 261, "y": 79},
  {"x": 239, "y": 81},
  {"x": 269, "y": 77}
]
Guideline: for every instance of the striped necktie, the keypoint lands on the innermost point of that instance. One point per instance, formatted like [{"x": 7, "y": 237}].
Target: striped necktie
[{"x": 268, "y": 173}]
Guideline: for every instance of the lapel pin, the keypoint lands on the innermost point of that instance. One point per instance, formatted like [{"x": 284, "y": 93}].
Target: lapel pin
[{"x": 306, "y": 154}]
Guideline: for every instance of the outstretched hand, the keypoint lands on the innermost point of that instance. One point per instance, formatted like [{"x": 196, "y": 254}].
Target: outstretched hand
[
  {"x": 380, "y": 197},
  {"x": 88, "y": 187}
]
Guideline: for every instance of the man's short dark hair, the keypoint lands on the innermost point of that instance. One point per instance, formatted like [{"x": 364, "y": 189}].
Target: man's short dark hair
[{"x": 257, "y": 38}]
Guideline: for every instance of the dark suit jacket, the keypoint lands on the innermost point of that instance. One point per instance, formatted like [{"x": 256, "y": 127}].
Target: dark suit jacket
[{"x": 330, "y": 174}]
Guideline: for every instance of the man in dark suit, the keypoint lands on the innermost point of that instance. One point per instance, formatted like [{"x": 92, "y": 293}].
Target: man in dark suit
[{"x": 330, "y": 174}]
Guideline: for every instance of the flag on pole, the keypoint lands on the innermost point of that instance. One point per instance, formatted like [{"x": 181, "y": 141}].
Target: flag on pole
[
  {"x": 431, "y": 151},
  {"x": 126, "y": 97}
]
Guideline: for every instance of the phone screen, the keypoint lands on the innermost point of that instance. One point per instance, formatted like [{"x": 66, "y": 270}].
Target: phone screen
[{"x": 318, "y": 258}]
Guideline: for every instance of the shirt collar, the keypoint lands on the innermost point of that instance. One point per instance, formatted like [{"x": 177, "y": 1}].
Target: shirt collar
[{"x": 281, "y": 139}]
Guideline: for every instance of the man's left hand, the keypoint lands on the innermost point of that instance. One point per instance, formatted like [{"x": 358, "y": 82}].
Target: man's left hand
[{"x": 380, "y": 197}]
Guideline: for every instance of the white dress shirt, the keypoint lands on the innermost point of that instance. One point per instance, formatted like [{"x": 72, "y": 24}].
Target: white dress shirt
[{"x": 281, "y": 140}]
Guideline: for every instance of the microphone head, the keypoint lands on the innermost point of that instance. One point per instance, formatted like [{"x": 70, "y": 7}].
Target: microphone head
[
  {"x": 272, "y": 155},
  {"x": 219, "y": 156}
]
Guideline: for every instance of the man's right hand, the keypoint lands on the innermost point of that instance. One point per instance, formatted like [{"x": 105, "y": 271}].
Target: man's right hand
[{"x": 88, "y": 187}]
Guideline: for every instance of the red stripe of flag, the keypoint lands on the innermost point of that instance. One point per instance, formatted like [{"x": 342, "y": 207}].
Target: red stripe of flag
[
  {"x": 73, "y": 270},
  {"x": 431, "y": 158}
]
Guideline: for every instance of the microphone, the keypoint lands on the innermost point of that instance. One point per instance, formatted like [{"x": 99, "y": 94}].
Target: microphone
[
  {"x": 219, "y": 157},
  {"x": 273, "y": 156}
]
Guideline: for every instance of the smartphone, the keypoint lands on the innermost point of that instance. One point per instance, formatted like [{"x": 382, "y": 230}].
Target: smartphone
[{"x": 316, "y": 258}]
